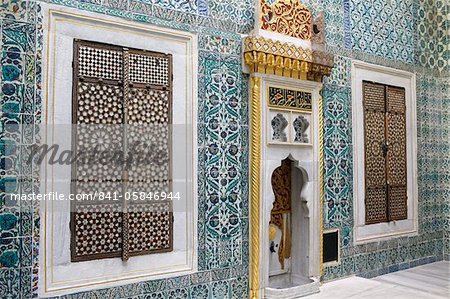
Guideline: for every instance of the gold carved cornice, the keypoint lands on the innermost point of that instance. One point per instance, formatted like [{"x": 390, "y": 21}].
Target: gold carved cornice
[{"x": 266, "y": 56}]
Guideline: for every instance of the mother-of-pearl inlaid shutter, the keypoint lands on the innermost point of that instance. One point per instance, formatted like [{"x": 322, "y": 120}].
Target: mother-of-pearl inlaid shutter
[
  {"x": 148, "y": 121},
  {"x": 385, "y": 152},
  {"x": 121, "y": 102},
  {"x": 396, "y": 154}
]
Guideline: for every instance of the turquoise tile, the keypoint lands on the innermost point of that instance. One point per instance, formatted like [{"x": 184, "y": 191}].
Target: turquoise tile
[
  {"x": 181, "y": 293},
  {"x": 201, "y": 291},
  {"x": 12, "y": 97},
  {"x": 185, "y": 6},
  {"x": 220, "y": 290},
  {"x": 239, "y": 287},
  {"x": 18, "y": 37},
  {"x": 14, "y": 9},
  {"x": 10, "y": 282},
  {"x": 9, "y": 250},
  {"x": 348, "y": 265},
  {"x": 12, "y": 66}
]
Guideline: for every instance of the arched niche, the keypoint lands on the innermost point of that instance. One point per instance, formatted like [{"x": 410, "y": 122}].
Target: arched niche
[
  {"x": 301, "y": 275},
  {"x": 286, "y": 73},
  {"x": 289, "y": 227}
]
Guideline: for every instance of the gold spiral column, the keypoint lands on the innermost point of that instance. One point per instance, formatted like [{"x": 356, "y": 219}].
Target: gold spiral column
[
  {"x": 320, "y": 111},
  {"x": 255, "y": 182}
]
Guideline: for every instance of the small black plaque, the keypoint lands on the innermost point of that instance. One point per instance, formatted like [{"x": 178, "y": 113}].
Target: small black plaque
[{"x": 330, "y": 247}]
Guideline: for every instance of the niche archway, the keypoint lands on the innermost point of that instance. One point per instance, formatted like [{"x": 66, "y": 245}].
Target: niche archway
[{"x": 289, "y": 227}]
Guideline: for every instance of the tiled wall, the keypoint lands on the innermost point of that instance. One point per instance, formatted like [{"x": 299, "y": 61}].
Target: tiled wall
[
  {"x": 405, "y": 35},
  {"x": 20, "y": 50},
  {"x": 355, "y": 30},
  {"x": 222, "y": 145},
  {"x": 445, "y": 164},
  {"x": 446, "y": 136}
]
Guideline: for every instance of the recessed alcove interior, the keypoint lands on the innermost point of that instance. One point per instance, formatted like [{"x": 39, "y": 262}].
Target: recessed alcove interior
[{"x": 289, "y": 227}]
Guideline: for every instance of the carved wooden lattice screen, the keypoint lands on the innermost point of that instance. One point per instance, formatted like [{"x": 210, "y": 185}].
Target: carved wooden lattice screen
[
  {"x": 385, "y": 152},
  {"x": 121, "y": 103}
]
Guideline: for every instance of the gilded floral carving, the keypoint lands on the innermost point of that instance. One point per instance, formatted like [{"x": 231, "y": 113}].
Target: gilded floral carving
[{"x": 287, "y": 17}]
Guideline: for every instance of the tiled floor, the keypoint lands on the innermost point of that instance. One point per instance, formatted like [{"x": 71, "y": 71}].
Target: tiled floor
[{"x": 430, "y": 281}]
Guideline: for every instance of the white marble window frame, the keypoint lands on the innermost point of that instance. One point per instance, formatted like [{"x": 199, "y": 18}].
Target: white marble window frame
[
  {"x": 58, "y": 275},
  {"x": 362, "y": 233}
]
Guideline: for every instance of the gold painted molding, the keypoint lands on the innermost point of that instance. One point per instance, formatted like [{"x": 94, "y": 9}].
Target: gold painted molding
[
  {"x": 320, "y": 108},
  {"x": 266, "y": 56},
  {"x": 255, "y": 184}
]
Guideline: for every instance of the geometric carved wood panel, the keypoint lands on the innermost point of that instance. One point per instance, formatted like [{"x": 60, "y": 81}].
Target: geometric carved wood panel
[
  {"x": 385, "y": 152},
  {"x": 375, "y": 160},
  {"x": 121, "y": 103},
  {"x": 397, "y": 203},
  {"x": 100, "y": 62},
  {"x": 396, "y": 157},
  {"x": 150, "y": 227},
  {"x": 375, "y": 166},
  {"x": 98, "y": 230},
  {"x": 376, "y": 205},
  {"x": 149, "y": 69},
  {"x": 149, "y": 127}
]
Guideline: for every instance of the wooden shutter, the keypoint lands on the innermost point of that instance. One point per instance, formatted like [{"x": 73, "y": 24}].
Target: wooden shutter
[
  {"x": 149, "y": 116},
  {"x": 385, "y": 152},
  {"x": 121, "y": 98},
  {"x": 375, "y": 166},
  {"x": 98, "y": 114},
  {"x": 396, "y": 154}
]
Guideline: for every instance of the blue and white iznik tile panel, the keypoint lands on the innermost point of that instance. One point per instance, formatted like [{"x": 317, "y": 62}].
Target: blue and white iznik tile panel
[
  {"x": 222, "y": 146},
  {"x": 334, "y": 22},
  {"x": 432, "y": 30},
  {"x": 445, "y": 161},
  {"x": 241, "y": 11},
  {"x": 223, "y": 149},
  {"x": 337, "y": 155},
  {"x": 384, "y": 28},
  {"x": 20, "y": 54},
  {"x": 446, "y": 166}
]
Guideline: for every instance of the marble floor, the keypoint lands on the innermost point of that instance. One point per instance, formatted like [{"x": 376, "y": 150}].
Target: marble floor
[{"x": 430, "y": 281}]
